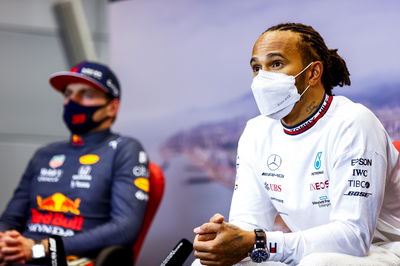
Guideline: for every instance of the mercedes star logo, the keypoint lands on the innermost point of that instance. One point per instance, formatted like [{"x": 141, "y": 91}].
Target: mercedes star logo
[{"x": 274, "y": 162}]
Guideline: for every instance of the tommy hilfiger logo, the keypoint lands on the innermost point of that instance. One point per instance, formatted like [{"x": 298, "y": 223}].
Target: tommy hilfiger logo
[{"x": 273, "y": 249}]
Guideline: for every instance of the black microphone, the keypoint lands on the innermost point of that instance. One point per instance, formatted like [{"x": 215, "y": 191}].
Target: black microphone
[
  {"x": 179, "y": 254},
  {"x": 57, "y": 252}
]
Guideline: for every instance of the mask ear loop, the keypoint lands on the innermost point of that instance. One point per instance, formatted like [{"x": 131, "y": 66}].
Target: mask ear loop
[
  {"x": 304, "y": 69},
  {"x": 304, "y": 91}
]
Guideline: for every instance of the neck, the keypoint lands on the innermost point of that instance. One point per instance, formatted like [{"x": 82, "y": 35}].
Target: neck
[
  {"x": 105, "y": 125},
  {"x": 305, "y": 107}
]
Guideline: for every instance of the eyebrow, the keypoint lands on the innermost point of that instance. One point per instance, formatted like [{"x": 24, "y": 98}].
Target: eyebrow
[{"x": 268, "y": 56}]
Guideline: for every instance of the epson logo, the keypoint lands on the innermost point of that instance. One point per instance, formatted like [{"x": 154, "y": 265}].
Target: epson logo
[
  {"x": 358, "y": 194},
  {"x": 361, "y": 161}
]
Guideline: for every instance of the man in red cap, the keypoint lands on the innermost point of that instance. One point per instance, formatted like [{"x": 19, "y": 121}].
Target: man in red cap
[{"x": 92, "y": 190}]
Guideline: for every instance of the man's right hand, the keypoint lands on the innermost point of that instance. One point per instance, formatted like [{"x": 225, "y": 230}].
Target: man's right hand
[
  {"x": 227, "y": 244},
  {"x": 15, "y": 248}
]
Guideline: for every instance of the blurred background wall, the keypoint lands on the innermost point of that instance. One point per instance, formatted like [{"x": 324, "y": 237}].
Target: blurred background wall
[{"x": 31, "y": 48}]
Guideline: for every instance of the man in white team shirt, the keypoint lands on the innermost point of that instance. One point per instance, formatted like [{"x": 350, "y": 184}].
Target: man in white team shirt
[{"x": 321, "y": 162}]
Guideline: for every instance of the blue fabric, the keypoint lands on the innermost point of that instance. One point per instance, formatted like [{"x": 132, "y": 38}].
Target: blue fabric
[{"x": 86, "y": 193}]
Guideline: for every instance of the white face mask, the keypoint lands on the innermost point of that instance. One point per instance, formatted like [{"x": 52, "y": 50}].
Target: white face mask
[{"x": 276, "y": 93}]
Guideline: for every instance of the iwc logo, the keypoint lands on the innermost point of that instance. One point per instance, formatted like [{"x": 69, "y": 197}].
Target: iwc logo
[{"x": 274, "y": 162}]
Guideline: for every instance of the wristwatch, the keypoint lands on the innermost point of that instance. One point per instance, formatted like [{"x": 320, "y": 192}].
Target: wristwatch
[
  {"x": 38, "y": 250},
  {"x": 259, "y": 253}
]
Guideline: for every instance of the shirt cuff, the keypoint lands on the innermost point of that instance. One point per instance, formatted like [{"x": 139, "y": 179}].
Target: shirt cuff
[{"x": 275, "y": 242}]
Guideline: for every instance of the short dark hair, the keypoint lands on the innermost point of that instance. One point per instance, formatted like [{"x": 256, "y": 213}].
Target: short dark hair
[{"x": 313, "y": 48}]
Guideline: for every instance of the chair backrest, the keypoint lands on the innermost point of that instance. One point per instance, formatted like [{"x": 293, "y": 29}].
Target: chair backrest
[
  {"x": 397, "y": 144},
  {"x": 157, "y": 183}
]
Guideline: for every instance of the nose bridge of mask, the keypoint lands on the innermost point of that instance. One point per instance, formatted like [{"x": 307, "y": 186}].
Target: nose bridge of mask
[{"x": 272, "y": 75}]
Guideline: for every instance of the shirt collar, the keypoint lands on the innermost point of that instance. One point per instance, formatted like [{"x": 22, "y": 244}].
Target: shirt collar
[
  {"x": 95, "y": 137},
  {"x": 310, "y": 121}
]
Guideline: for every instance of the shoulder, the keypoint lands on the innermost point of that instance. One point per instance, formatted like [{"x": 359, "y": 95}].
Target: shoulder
[
  {"x": 260, "y": 122},
  {"x": 129, "y": 153},
  {"x": 53, "y": 147},
  {"x": 354, "y": 115},
  {"x": 354, "y": 127},
  {"x": 128, "y": 147},
  {"x": 125, "y": 142},
  {"x": 260, "y": 126},
  {"x": 256, "y": 132}
]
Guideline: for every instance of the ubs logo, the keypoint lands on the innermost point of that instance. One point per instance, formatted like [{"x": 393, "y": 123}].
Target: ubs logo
[{"x": 274, "y": 162}]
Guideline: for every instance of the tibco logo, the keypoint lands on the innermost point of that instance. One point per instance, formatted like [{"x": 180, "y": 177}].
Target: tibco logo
[{"x": 358, "y": 183}]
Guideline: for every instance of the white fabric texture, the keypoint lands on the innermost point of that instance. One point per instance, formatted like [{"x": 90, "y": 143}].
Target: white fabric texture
[
  {"x": 328, "y": 179},
  {"x": 379, "y": 255}
]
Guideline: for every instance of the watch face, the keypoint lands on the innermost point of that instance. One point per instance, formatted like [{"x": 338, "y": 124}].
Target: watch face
[
  {"x": 38, "y": 251},
  {"x": 259, "y": 255}
]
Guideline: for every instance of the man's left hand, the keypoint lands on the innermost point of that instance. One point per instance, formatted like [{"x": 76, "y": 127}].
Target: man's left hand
[{"x": 229, "y": 246}]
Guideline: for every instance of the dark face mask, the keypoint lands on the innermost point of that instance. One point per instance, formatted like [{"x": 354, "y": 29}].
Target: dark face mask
[{"x": 79, "y": 118}]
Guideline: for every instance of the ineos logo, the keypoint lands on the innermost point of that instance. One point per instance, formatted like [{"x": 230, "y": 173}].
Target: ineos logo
[{"x": 274, "y": 162}]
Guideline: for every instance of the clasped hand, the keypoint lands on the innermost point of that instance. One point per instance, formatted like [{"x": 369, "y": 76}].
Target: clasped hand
[
  {"x": 14, "y": 248},
  {"x": 221, "y": 243}
]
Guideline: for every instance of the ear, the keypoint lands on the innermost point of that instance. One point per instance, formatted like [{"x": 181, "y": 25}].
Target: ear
[
  {"x": 113, "y": 107},
  {"x": 315, "y": 75}
]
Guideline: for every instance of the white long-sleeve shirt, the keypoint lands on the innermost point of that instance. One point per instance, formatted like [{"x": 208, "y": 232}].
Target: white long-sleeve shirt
[{"x": 327, "y": 177}]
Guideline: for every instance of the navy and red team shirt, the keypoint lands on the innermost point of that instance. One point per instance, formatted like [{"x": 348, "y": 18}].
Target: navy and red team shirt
[{"x": 92, "y": 191}]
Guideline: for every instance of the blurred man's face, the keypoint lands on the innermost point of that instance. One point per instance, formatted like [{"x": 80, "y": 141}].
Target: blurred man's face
[{"x": 84, "y": 94}]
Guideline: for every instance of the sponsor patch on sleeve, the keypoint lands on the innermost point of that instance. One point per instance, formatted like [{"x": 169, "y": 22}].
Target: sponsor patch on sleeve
[
  {"x": 142, "y": 183},
  {"x": 142, "y": 157}
]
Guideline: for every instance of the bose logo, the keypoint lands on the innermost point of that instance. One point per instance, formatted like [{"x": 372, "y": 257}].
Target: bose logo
[{"x": 358, "y": 194}]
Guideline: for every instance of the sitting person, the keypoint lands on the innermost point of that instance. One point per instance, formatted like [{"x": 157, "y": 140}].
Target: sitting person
[
  {"x": 91, "y": 190},
  {"x": 320, "y": 161}
]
